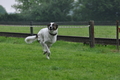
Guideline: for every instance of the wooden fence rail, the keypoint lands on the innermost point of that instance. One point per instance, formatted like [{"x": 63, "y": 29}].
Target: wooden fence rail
[{"x": 103, "y": 41}]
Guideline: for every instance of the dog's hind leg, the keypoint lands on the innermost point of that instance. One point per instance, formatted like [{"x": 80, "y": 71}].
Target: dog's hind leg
[
  {"x": 42, "y": 44},
  {"x": 48, "y": 56},
  {"x": 44, "y": 49}
]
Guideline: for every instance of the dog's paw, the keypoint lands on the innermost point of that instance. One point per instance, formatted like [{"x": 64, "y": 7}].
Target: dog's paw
[{"x": 48, "y": 57}]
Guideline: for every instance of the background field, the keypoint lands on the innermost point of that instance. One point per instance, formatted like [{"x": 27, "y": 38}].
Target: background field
[
  {"x": 69, "y": 61},
  {"x": 100, "y": 31}
]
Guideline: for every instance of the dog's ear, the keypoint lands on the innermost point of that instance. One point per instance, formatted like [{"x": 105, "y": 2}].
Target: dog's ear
[
  {"x": 48, "y": 25},
  {"x": 55, "y": 26}
]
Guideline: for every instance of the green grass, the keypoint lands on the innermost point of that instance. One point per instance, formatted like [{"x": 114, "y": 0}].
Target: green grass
[
  {"x": 100, "y": 31},
  {"x": 69, "y": 61}
]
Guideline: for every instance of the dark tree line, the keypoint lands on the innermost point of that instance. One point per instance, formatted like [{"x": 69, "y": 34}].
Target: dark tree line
[
  {"x": 2, "y": 10},
  {"x": 64, "y": 10}
]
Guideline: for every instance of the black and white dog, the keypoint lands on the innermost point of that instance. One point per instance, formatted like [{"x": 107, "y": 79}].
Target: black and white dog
[{"x": 46, "y": 37}]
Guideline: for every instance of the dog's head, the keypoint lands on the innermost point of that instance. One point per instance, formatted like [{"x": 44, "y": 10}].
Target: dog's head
[{"x": 52, "y": 26}]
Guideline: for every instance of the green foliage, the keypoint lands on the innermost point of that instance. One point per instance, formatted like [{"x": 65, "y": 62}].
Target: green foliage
[
  {"x": 12, "y": 17},
  {"x": 2, "y": 10},
  {"x": 65, "y": 10},
  {"x": 101, "y": 10},
  {"x": 43, "y": 10},
  {"x": 69, "y": 61}
]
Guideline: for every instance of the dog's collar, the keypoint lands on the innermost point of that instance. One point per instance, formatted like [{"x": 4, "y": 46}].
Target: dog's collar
[{"x": 52, "y": 34}]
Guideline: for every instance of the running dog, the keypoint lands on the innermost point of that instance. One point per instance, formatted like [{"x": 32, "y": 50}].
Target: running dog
[{"x": 46, "y": 37}]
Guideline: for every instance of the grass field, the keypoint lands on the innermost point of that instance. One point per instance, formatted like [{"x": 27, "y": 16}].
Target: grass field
[
  {"x": 69, "y": 61},
  {"x": 100, "y": 31}
]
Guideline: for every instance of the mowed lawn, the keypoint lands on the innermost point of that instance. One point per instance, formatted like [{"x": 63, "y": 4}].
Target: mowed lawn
[{"x": 69, "y": 61}]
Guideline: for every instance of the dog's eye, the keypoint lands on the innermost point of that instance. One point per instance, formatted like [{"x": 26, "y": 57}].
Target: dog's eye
[{"x": 53, "y": 24}]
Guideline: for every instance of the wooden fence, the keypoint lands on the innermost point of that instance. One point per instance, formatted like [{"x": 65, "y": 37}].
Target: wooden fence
[{"x": 89, "y": 40}]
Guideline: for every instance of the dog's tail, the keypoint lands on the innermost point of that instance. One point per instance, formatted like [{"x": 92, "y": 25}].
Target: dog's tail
[{"x": 31, "y": 39}]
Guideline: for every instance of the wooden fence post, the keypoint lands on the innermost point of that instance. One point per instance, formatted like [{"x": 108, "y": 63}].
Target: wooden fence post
[
  {"x": 31, "y": 28},
  {"x": 91, "y": 34},
  {"x": 117, "y": 34}
]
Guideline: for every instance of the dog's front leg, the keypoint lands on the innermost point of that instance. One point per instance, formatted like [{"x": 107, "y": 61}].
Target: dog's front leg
[{"x": 48, "y": 50}]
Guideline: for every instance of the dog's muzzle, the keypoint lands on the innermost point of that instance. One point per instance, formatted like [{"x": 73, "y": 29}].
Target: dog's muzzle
[{"x": 50, "y": 28}]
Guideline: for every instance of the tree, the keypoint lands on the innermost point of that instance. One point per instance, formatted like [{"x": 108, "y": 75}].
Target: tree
[
  {"x": 98, "y": 10},
  {"x": 2, "y": 10},
  {"x": 45, "y": 10}
]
